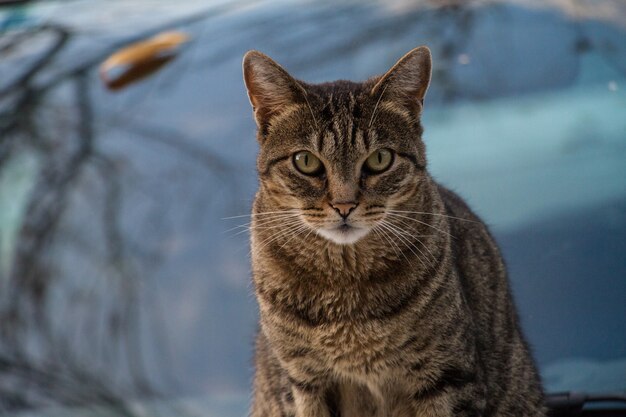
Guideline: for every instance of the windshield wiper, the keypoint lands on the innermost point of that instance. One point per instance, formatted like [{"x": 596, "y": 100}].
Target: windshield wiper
[{"x": 573, "y": 404}]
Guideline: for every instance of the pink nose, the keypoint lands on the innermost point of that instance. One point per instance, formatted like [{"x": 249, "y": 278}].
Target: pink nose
[{"x": 344, "y": 209}]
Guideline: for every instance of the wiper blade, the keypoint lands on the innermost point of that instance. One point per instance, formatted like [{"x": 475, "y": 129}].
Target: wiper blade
[{"x": 572, "y": 403}]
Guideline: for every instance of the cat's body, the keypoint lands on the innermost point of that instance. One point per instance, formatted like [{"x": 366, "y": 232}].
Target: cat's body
[{"x": 402, "y": 309}]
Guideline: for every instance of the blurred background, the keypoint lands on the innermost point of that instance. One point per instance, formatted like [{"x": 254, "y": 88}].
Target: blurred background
[{"x": 124, "y": 288}]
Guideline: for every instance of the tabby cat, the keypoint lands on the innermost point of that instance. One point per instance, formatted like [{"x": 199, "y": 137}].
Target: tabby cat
[{"x": 380, "y": 292}]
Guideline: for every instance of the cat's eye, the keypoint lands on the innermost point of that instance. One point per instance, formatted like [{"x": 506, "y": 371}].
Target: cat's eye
[
  {"x": 379, "y": 161},
  {"x": 307, "y": 163}
]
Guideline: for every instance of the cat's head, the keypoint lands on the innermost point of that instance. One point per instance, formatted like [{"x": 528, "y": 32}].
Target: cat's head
[{"x": 339, "y": 155}]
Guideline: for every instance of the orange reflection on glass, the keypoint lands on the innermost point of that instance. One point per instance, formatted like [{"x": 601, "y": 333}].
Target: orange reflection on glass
[{"x": 141, "y": 59}]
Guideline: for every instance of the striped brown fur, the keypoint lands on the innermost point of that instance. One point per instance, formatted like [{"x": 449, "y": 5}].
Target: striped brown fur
[{"x": 403, "y": 309}]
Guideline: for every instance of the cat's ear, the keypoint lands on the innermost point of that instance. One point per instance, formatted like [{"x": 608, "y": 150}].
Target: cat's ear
[
  {"x": 271, "y": 89},
  {"x": 407, "y": 81}
]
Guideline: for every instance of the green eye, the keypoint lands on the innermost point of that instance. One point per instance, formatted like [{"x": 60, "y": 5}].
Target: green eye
[
  {"x": 379, "y": 161},
  {"x": 307, "y": 163}
]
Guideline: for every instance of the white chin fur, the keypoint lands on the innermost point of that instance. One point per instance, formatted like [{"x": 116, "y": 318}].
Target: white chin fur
[{"x": 343, "y": 237}]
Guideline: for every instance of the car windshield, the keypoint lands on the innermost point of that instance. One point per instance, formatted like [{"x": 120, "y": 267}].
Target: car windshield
[{"x": 124, "y": 252}]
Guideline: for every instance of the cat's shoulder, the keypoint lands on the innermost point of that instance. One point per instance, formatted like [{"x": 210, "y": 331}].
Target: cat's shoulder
[
  {"x": 462, "y": 219},
  {"x": 454, "y": 204}
]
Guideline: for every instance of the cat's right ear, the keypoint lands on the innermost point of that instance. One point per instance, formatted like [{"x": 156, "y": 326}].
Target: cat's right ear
[{"x": 271, "y": 89}]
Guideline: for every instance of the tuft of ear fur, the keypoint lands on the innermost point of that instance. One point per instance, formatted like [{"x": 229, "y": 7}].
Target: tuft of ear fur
[
  {"x": 407, "y": 81},
  {"x": 271, "y": 89}
]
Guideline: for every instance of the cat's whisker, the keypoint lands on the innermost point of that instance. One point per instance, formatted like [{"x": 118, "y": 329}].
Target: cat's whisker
[
  {"x": 393, "y": 244},
  {"x": 248, "y": 226},
  {"x": 432, "y": 256},
  {"x": 403, "y": 223},
  {"x": 428, "y": 256},
  {"x": 409, "y": 245},
  {"x": 249, "y": 229},
  {"x": 263, "y": 222},
  {"x": 270, "y": 239},
  {"x": 265, "y": 213},
  {"x": 294, "y": 234},
  {"x": 310, "y": 231},
  {"x": 282, "y": 233},
  {"x": 274, "y": 219},
  {"x": 420, "y": 222},
  {"x": 283, "y": 227},
  {"x": 406, "y": 239},
  {"x": 236, "y": 217},
  {"x": 416, "y": 237},
  {"x": 369, "y": 126},
  {"x": 266, "y": 221},
  {"x": 287, "y": 235},
  {"x": 276, "y": 222},
  {"x": 379, "y": 233},
  {"x": 433, "y": 214},
  {"x": 390, "y": 233},
  {"x": 281, "y": 220},
  {"x": 411, "y": 239}
]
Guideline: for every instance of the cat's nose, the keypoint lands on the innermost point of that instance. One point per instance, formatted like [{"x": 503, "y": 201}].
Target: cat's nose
[{"x": 344, "y": 209}]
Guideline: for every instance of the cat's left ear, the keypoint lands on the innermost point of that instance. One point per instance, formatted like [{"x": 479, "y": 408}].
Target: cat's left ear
[{"x": 408, "y": 80}]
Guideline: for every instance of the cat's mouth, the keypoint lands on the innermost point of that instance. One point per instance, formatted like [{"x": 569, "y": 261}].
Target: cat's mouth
[{"x": 343, "y": 233}]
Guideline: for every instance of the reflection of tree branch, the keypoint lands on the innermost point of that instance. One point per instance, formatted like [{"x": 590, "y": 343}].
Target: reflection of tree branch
[
  {"x": 27, "y": 95},
  {"x": 54, "y": 372},
  {"x": 43, "y": 213},
  {"x": 118, "y": 256},
  {"x": 177, "y": 141},
  {"x": 26, "y": 299},
  {"x": 110, "y": 213},
  {"x": 62, "y": 36},
  {"x": 68, "y": 385},
  {"x": 130, "y": 318}
]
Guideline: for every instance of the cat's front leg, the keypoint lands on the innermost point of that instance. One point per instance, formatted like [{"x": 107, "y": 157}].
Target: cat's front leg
[
  {"x": 446, "y": 389},
  {"x": 310, "y": 404},
  {"x": 450, "y": 406},
  {"x": 309, "y": 380}
]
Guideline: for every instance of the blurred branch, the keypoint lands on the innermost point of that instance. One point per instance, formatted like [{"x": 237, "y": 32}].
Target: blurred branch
[
  {"x": 39, "y": 365},
  {"x": 44, "y": 212},
  {"x": 28, "y": 96},
  {"x": 62, "y": 36},
  {"x": 71, "y": 386},
  {"x": 175, "y": 140}
]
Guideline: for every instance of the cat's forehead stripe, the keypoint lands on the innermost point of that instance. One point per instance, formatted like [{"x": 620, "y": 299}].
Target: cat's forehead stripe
[
  {"x": 356, "y": 114},
  {"x": 320, "y": 141},
  {"x": 342, "y": 129}
]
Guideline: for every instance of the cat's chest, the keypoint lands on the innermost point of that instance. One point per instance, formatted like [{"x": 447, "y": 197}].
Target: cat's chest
[
  {"x": 350, "y": 344},
  {"x": 375, "y": 397},
  {"x": 343, "y": 325},
  {"x": 355, "y": 350}
]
